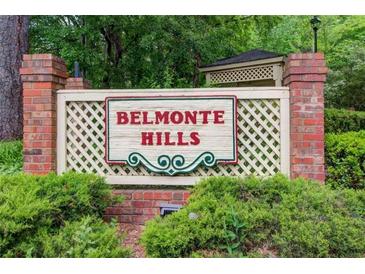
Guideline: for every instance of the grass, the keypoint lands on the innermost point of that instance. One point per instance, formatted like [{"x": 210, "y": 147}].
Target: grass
[{"x": 11, "y": 157}]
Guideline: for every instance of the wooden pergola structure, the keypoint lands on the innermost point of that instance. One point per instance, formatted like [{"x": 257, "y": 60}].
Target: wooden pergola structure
[{"x": 248, "y": 69}]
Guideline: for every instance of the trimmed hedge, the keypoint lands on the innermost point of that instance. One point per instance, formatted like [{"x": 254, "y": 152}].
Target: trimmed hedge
[
  {"x": 251, "y": 217},
  {"x": 56, "y": 216},
  {"x": 341, "y": 120},
  {"x": 345, "y": 160}
]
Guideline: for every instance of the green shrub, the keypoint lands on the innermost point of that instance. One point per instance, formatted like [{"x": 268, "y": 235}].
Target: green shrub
[
  {"x": 341, "y": 120},
  {"x": 251, "y": 217},
  {"x": 87, "y": 238},
  {"x": 345, "y": 160},
  {"x": 35, "y": 208},
  {"x": 11, "y": 157}
]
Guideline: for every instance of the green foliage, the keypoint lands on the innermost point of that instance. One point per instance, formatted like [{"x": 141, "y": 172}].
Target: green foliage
[
  {"x": 145, "y": 51},
  {"x": 236, "y": 235},
  {"x": 345, "y": 160},
  {"x": 166, "y": 51},
  {"x": 345, "y": 86},
  {"x": 341, "y": 120},
  {"x": 341, "y": 38},
  {"x": 254, "y": 217},
  {"x": 33, "y": 209},
  {"x": 11, "y": 157},
  {"x": 87, "y": 238}
]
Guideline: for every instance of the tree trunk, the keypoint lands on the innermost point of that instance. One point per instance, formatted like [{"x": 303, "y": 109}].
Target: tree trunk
[
  {"x": 13, "y": 44},
  {"x": 196, "y": 72}
]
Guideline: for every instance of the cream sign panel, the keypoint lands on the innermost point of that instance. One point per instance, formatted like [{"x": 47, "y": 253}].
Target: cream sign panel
[{"x": 171, "y": 135}]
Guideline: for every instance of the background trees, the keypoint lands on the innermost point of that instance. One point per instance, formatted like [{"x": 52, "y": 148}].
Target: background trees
[
  {"x": 145, "y": 51},
  {"x": 166, "y": 51},
  {"x": 13, "y": 43}
]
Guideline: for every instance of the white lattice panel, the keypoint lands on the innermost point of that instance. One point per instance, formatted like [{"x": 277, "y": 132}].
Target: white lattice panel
[
  {"x": 242, "y": 75},
  {"x": 258, "y": 141}
]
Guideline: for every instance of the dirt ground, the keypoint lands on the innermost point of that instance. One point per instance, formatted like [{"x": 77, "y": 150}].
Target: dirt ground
[{"x": 132, "y": 234}]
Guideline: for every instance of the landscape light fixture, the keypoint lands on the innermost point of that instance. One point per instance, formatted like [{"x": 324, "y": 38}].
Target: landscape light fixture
[
  {"x": 77, "y": 70},
  {"x": 166, "y": 209},
  {"x": 315, "y": 22}
]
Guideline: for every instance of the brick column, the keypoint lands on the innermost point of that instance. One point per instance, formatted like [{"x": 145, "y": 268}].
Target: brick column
[
  {"x": 77, "y": 83},
  {"x": 305, "y": 75},
  {"x": 42, "y": 76}
]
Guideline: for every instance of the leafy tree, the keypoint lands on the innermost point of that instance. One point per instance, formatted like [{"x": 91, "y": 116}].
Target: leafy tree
[
  {"x": 346, "y": 59},
  {"x": 145, "y": 51},
  {"x": 166, "y": 51},
  {"x": 342, "y": 39}
]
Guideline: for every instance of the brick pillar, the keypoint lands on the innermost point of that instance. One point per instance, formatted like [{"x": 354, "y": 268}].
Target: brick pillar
[
  {"x": 77, "y": 83},
  {"x": 305, "y": 75},
  {"x": 42, "y": 76}
]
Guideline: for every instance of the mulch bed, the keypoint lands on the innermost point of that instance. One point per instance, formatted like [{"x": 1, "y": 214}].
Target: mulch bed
[{"x": 132, "y": 233}]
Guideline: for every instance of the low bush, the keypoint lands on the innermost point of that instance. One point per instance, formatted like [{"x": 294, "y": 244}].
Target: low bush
[
  {"x": 341, "y": 120},
  {"x": 345, "y": 160},
  {"x": 37, "y": 211},
  {"x": 88, "y": 238},
  {"x": 11, "y": 157},
  {"x": 251, "y": 217}
]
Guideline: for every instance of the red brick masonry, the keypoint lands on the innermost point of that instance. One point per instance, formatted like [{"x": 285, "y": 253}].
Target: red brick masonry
[
  {"x": 305, "y": 75},
  {"x": 141, "y": 205},
  {"x": 42, "y": 76},
  {"x": 77, "y": 83}
]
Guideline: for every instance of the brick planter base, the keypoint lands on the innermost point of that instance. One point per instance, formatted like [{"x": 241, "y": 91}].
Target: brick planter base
[{"x": 141, "y": 205}]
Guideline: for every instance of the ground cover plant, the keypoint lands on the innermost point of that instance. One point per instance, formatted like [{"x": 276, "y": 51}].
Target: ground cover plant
[
  {"x": 11, "y": 157},
  {"x": 232, "y": 217}
]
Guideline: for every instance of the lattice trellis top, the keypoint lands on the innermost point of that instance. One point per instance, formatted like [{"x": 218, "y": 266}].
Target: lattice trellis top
[
  {"x": 262, "y": 137},
  {"x": 252, "y": 66}
]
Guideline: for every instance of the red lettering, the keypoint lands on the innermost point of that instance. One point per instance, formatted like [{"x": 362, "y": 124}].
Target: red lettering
[
  {"x": 190, "y": 117},
  {"x": 147, "y": 138},
  {"x": 180, "y": 139},
  {"x": 145, "y": 118},
  {"x": 167, "y": 140},
  {"x": 162, "y": 117},
  {"x": 195, "y": 140},
  {"x": 218, "y": 116},
  {"x": 159, "y": 138},
  {"x": 166, "y": 117},
  {"x": 176, "y": 117},
  {"x": 135, "y": 117},
  {"x": 122, "y": 118},
  {"x": 205, "y": 114}
]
